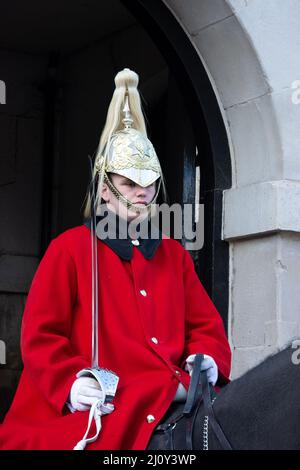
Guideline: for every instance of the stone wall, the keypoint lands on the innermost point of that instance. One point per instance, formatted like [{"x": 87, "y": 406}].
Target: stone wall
[
  {"x": 251, "y": 52},
  {"x": 21, "y": 150}
]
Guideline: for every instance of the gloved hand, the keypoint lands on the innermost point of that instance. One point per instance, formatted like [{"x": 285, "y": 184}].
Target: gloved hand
[
  {"x": 208, "y": 364},
  {"x": 84, "y": 392}
]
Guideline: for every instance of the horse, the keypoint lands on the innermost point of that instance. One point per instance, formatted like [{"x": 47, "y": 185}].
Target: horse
[{"x": 258, "y": 411}]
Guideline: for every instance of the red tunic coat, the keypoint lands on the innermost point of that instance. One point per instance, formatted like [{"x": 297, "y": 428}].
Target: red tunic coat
[{"x": 56, "y": 341}]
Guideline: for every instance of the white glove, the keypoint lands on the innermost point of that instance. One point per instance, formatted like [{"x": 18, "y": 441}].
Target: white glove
[
  {"x": 208, "y": 364},
  {"x": 85, "y": 391},
  {"x": 86, "y": 394}
]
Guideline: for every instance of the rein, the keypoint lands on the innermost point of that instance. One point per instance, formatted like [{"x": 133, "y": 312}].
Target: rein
[
  {"x": 177, "y": 428},
  {"x": 207, "y": 402}
]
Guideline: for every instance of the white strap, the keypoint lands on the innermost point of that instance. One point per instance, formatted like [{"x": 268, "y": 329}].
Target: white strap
[{"x": 97, "y": 410}]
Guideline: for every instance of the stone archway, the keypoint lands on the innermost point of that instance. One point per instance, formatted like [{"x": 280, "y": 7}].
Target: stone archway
[{"x": 250, "y": 54}]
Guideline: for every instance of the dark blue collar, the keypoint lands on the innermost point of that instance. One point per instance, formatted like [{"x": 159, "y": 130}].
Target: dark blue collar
[{"x": 121, "y": 243}]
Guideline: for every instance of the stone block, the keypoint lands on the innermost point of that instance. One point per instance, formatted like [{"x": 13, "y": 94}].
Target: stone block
[
  {"x": 288, "y": 124},
  {"x": 288, "y": 274},
  {"x": 273, "y": 27},
  {"x": 280, "y": 333},
  {"x": 231, "y": 62},
  {"x": 244, "y": 359},
  {"x": 196, "y": 15},
  {"x": 257, "y": 153},
  {"x": 261, "y": 208},
  {"x": 253, "y": 290}
]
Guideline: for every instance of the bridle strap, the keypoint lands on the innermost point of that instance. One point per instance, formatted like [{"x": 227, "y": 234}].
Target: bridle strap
[
  {"x": 193, "y": 397},
  {"x": 199, "y": 390},
  {"x": 193, "y": 391},
  {"x": 210, "y": 412},
  {"x": 199, "y": 387}
]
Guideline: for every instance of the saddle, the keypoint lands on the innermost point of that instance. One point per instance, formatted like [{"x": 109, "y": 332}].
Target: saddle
[{"x": 176, "y": 430}]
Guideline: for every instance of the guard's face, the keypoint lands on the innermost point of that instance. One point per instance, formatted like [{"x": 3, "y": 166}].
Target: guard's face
[{"x": 132, "y": 191}]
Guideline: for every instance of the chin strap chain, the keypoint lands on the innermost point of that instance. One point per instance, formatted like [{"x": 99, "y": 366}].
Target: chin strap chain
[{"x": 97, "y": 410}]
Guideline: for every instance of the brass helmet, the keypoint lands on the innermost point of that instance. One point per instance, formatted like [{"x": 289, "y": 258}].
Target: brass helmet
[{"x": 131, "y": 154}]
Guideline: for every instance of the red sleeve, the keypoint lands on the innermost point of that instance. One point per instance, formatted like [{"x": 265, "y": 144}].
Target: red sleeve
[
  {"x": 47, "y": 353},
  {"x": 204, "y": 329}
]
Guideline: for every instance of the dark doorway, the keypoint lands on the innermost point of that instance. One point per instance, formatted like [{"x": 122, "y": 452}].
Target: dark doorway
[{"x": 58, "y": 60}]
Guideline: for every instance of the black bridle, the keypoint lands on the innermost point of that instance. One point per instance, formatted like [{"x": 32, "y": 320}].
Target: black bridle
[
  {"x": 199, "y": 386},
  {"x": 176, "y": 429}
]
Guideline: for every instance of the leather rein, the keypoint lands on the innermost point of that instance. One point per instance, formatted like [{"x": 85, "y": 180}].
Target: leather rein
[
  {"x": 199, "y": 385},
  {"x": 199, "y": 390}
]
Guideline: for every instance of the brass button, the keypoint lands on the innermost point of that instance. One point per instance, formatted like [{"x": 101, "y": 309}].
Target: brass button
[
  {"x": 135, "y": 242},
  {"x": 150, "y": 419},
  {"x": 154, "y": 340},
  {"x": 143, "y": 292},
  {"x": 177, "y": 373}
]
